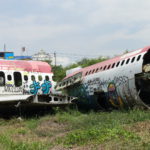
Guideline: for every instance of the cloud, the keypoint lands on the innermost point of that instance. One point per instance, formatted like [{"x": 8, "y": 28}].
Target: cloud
[
  {"x": 64, "y": 61},
  {"x": 87, "y": 26}
]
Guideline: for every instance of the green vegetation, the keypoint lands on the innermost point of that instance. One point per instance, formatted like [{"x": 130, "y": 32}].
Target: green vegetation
[
  {"x": 75, "y": 130},
  {"x": 60, "y": 71}
]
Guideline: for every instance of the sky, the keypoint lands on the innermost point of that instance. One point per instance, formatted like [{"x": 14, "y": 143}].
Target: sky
[{"x": 74, "y": 28}]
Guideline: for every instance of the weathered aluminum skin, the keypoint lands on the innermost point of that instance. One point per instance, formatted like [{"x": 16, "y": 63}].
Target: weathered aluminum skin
[
  {"x": 29, "y": 83},
  {"x": 112, "y": 88}
]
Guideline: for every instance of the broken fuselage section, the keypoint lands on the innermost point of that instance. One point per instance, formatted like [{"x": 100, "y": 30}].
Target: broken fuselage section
[
  {"x": 29, "y": 83},
  {"x": 120, "y": 82}
]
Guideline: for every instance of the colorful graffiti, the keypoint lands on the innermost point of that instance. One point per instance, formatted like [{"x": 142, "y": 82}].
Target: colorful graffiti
[
  {"x": 98, "y": 84},
  {"x": 11, "y": 88},
  {"x": 45, "y": 87},
  {"x": 35, "y": 87},
  {"x": 113, "y": 96}
]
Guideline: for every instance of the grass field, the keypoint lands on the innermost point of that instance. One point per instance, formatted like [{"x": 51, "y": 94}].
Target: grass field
[{"x": 78, "y": 131}]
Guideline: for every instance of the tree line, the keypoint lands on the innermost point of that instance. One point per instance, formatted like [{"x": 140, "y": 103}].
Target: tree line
[{"x": 60, "y": 71}]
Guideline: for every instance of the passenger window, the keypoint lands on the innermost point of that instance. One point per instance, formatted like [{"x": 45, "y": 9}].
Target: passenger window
[
  {"x": 33, "y": 78},
  {"x": 97, "y": 70},
  {"x": 108, "y": 67},
  {"x": 122, "y": 62},
  {"x": 9, "y": 78},
  {"x": 93, "y": 71},
  {"x": 86, "y": 73},
  {"x": 40, "y": 78},
  {"x": 138, "y": 57},
  {"x": 17, "y": 79},
  {"x": 118, "y": 64},
  {"x": 132, "y": 59},
  {"x": 90, "y": 72},
  {"x": 101, "y": 68},
  {"x": 127, "y": 60},
  {"x": 104, "y": 67},
  {"x": 113, "y": 65},
  {"x": 47, "y": 78},
  {"x": 2, "y": 78},
  {"x": 25, "y": 77}
]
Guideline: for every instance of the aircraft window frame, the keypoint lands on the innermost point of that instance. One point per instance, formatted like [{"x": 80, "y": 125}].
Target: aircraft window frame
[
  {"x": 47, "y": 78},
  {"x": 17, "y": 79},
  {"x": 113, "y": 65},
  {"x": 109, "y": 66},
  {"x": 25, "y": 77},
  {"x": 122, "y": 62},
  {"x": 97, "y": 70},
  {"x": 133, "y": 59},
  {"x": 90, "y": 71},
  {"x": 9, "y": 77},
  {"x": 138, "y": 58},
  {"x": 93, "y": 71},
  {"x": 86, "y": 73},
  {"x": 105, "y": 67},
  {"x": 128, "y": 60},
  {"x": 33, "y": 77},
  {"x": 40, "y": 78},
  {"x": 117, "y": 63}
]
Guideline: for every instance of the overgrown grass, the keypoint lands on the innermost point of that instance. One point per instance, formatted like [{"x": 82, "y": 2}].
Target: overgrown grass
[{"x": 111, "y": 130}]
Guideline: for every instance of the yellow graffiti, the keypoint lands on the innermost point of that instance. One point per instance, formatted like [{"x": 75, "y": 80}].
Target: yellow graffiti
[
  {"x": 120, "y": 102},
  {"x": 9, "y": 82},
  {"x": 25, "y": 73},
  {"x": 19, "y": 69}
]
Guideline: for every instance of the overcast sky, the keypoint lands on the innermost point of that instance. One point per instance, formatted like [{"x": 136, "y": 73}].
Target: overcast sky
[{"x": 81, "y": 27}]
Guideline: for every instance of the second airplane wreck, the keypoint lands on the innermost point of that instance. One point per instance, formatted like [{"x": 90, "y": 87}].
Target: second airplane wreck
[
  {"x": 120, "y": 82},
  {"x": 29, "y": 83}
]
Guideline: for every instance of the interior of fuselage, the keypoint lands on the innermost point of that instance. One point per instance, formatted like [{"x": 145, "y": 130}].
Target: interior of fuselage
[
  {"x": 102, "y": 100},
  {"x": 142, "y": 80}
]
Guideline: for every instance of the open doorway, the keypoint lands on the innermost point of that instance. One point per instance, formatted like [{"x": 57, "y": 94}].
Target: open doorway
[
  {"x": 142, "y": 80},
  {"x": 102, "y": 100}
]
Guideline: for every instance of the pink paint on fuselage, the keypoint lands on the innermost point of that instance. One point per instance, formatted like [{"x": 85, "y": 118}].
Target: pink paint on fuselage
[{"x": 23, "y": 65}]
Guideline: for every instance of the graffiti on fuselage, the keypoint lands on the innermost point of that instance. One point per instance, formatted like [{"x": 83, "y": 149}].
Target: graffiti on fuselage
[
  {"x": 34, "y": 87},
  {"x": 12, "y": 88},
  {"x": 113, "y": 96},
  {"x": 45, "y": 87},
  {"x": 97, "y": 84}
]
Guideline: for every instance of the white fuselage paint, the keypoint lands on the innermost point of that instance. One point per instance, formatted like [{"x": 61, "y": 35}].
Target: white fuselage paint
[{"x": 122, "y": 76}]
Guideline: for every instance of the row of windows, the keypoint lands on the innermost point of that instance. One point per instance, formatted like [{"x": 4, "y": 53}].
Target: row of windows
[
  {"x": 18, "y": 78},
  {"x": 121, "y": 63},
  {"x": 71, "y": 80},
  {"x": 40, "y": 78},
  {"x": 33, "y": 78}
]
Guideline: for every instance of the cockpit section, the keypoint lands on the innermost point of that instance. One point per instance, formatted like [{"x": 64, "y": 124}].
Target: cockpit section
[{"x": 142, "y": 80}]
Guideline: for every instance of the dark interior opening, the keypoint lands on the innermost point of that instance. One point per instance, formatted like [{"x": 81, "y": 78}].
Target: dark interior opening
[
  {"x": 17, "y": 79},
  {"x": 2, "y": 78},
  {"x": 143, "y": 87},
  {"x": 102, "y": 100},
  {"x": 146, "y": 58},
  {"x": 142, "y": 80}
]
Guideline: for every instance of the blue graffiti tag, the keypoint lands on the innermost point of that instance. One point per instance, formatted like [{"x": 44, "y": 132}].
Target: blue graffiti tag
[
  {"x": 46, "y": 87},
  {"x": 34, "y": 87}
]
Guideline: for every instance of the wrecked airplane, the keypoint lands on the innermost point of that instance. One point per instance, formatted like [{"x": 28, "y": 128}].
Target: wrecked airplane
[
  {"x": 29, "y": 83},
  {"x": 123, "y": 81}
]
